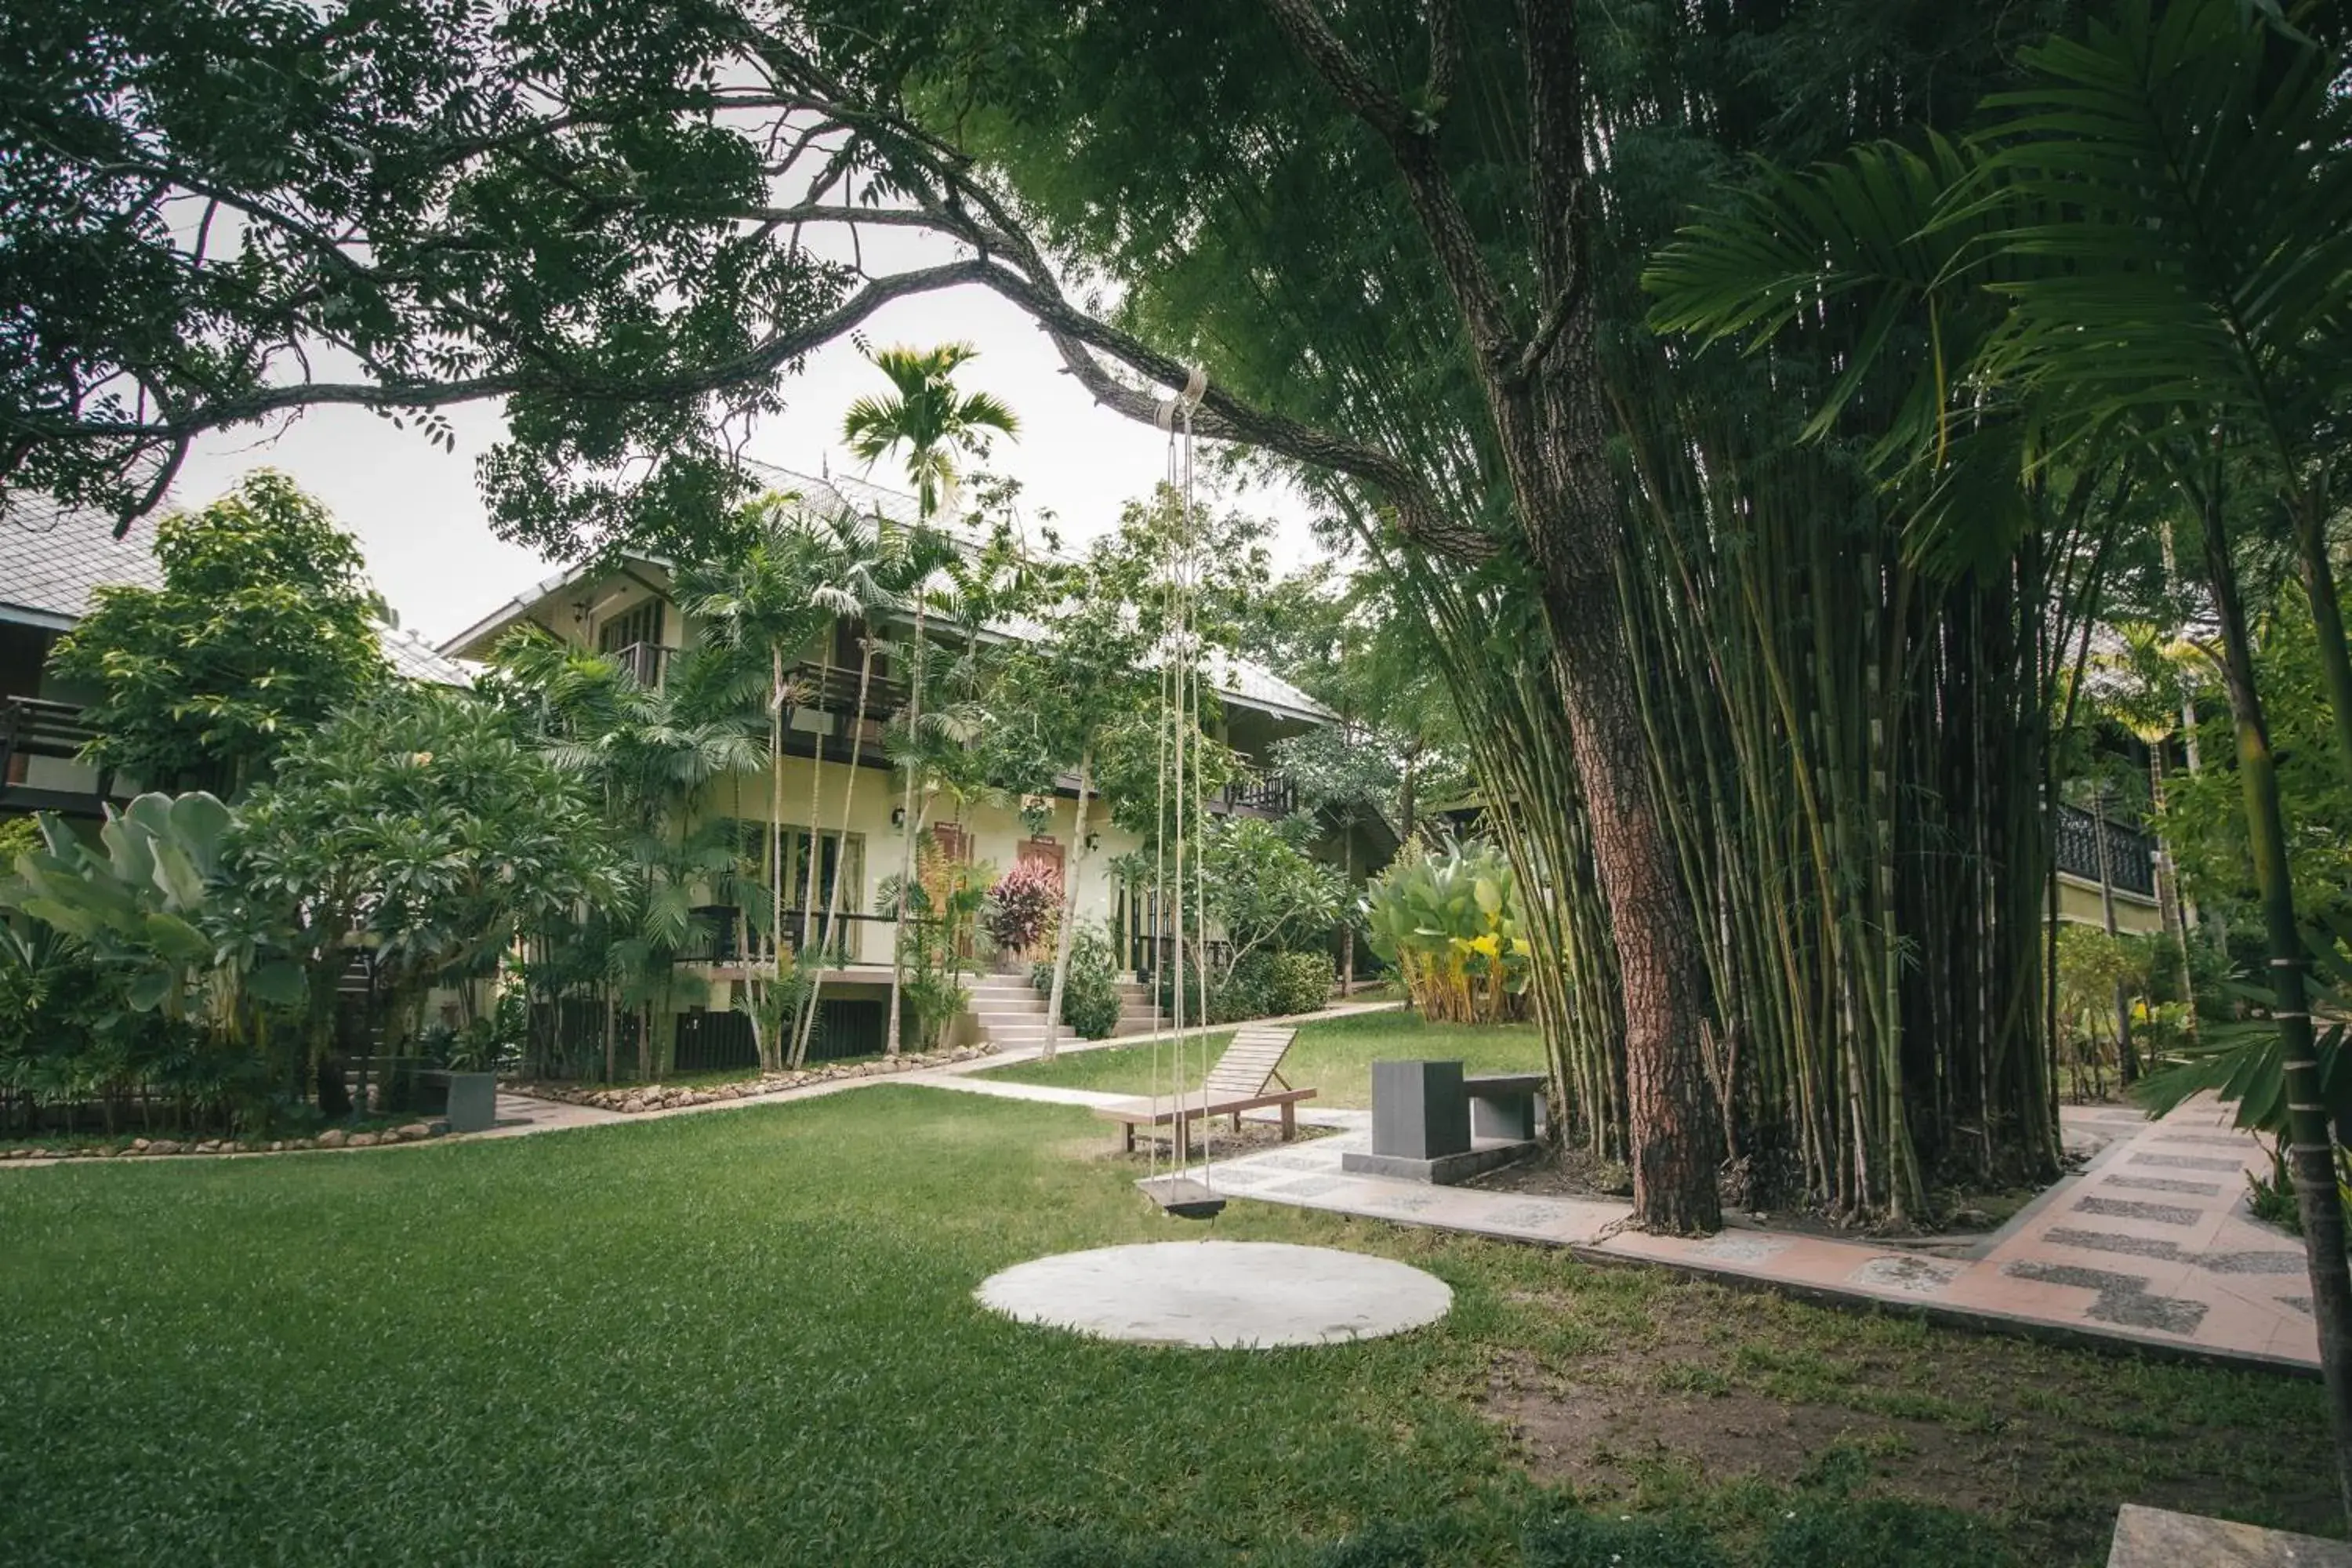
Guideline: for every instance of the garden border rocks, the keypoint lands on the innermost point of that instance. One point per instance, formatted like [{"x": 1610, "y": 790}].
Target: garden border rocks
[
  {"x": 637, "y": 1098},
  {"x": 333, "y": 1138}
]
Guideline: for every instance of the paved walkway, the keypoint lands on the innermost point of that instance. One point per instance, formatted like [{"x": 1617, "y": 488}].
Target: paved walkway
[
  {"x": 2149, "y": 1243},
  {"x": 520, "y": 1115}
]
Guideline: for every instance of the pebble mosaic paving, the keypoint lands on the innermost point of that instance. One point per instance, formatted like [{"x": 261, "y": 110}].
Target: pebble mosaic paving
[{"x": 2149, "y": 1242}]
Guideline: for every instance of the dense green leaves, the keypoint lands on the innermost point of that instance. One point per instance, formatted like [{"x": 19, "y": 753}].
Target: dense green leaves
[{"x": 263, "y": 626}]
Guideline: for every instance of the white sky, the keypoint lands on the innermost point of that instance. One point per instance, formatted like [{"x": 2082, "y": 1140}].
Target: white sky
[{"x": 418, "y": 515}]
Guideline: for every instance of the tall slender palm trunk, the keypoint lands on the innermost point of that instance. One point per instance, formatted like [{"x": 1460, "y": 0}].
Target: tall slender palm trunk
[
  {"x": 1065, "y": 939},
  {"x": 911, "y": 825},
  {"x": 771, "y": 1048},
  {"x": 2311, "y": 1143},
  {"x": 840, "y": 856}
]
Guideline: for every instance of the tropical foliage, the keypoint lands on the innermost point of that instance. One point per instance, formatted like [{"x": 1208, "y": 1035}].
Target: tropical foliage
[
  {"x": 1449, "y": 920},
  {"x": 1023, "y": 909},
  {"x": 1090, "y": 1002},
  {"x": 263, "y": 626}
]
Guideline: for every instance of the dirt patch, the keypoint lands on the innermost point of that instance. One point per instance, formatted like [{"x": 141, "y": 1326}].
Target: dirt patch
[
  {"x": 1612, "y": 1441},
  {"x": 1701, "y": 1388}
]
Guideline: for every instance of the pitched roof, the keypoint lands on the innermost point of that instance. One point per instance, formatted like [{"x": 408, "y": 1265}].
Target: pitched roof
[
  {"x": 413, "y": 659},
  {"x": 1233, "y": 678},
  {"x": 53, "y": 557}
]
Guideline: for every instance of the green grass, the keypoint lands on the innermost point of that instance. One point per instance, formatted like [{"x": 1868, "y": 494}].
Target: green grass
[
  {"x": 1334, "y": 1057},
  {"x": 749, "y": 1337}
]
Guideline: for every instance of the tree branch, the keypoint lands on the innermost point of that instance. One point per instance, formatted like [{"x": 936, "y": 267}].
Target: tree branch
[
  {"x": 765, "y": 360},
  {"x": 1413, "y": 148}
]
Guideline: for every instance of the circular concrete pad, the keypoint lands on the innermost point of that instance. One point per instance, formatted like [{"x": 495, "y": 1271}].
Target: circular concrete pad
[{"x": 1250, "y": 1295}]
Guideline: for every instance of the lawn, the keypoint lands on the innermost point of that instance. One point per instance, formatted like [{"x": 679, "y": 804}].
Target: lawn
[
  {"x": 1334, "y": 1057},
  {"x": 749, "y": 1337}
]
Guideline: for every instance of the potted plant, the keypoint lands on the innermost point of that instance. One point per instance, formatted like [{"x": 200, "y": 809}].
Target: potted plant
[{"x": 475, "y": 1052}]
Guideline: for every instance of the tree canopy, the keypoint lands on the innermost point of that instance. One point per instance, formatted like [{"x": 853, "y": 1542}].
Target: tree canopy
[{"x": 263, "y": 626}]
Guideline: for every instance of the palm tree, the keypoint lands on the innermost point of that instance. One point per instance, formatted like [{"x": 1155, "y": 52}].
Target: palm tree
[
  {"x": 2144, "y": 258},
  {"x": 755, "y": 607},
  {"x": 872, "y": 566},
  {"x": 650, "y": 751},
  {"x": 925, "y": 414}
]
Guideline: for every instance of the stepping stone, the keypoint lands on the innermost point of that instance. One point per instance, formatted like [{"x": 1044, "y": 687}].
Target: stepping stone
[
  {"x": 2122, "y": 1299},
  {"x": 1233, "y": 1295},
  {"x": 2158, "y": 1538}
]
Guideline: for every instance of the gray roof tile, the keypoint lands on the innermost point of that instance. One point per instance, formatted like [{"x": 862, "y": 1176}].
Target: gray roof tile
[{"x": 53, "y": 557}]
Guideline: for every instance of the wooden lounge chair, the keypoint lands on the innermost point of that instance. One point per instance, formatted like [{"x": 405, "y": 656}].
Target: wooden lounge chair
[{"x": 1245, "y": 1079}]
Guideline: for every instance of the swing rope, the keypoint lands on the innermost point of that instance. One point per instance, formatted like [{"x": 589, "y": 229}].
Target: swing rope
[{"x": 1179, "y": 697}]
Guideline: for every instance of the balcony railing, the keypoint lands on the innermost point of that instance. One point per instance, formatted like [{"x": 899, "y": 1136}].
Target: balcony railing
[
  {"x": 2130, "y": 853},
  {"x": 721, "y": 936},
  {"x": 646, "y": 663},
  {"x": 34, "y": 727},
  {"x": 832, "y": 689},
  {"x": 1261, "y": 793}
]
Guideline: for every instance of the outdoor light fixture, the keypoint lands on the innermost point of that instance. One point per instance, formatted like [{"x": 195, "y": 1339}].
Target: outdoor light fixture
[
  {"x": 1094, "y": 842},
  {"x": 897, "y": 817}
]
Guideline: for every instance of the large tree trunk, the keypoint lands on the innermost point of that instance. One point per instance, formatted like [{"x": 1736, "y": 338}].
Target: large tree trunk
[
  {"x": 1545, "y": 397},
  {"x": 1671, "y": 1123},
  {"x": 1064, "y": 939},
  {"x": 2310, "y": 1140}
]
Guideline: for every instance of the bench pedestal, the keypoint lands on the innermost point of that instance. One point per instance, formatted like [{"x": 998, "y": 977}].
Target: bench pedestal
[{"x": 1432, "y": 1124}]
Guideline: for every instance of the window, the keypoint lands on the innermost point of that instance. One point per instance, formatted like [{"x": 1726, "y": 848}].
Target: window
[
  {"x": 641, "y": 623},
  {"x": 751, "y": 840}
]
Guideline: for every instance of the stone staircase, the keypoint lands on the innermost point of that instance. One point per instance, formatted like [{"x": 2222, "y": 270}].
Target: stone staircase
[
  {"x": 1011, "y": 1014},
  {"x": 1137, "y": 1011}
]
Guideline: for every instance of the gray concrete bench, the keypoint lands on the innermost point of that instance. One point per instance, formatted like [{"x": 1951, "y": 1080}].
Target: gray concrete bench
[
  {"x": 1504, "y": 1104},
  {"x": 1430, "y": 1123}
]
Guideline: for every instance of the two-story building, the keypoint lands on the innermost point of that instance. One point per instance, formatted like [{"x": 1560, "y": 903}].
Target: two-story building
[{"x": 629, "y": 611}]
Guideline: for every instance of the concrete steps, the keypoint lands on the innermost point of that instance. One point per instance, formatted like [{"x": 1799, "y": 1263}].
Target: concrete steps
[
  {"x": 1008, "y": 1010},
  {"x": 1011, "y": 1014}
]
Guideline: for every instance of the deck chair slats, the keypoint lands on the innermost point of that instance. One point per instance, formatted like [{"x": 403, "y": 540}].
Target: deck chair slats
[{"x": 1250, "y": 1060}]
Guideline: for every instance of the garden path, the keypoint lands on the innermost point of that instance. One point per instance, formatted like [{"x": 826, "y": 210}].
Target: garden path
[{"x": 2150, "y": 1241}]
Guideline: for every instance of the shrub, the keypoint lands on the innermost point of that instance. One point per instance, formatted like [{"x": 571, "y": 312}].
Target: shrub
[
  {"x": 1021, "y": 908},
  {"x": 1450, "y": 922},
  {"x": 1299, "y": 982},
  {"x": 1090, "y": 990}
]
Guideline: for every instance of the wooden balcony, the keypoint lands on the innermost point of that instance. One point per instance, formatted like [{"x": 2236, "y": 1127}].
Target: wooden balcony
[
  {"x": 832, "y": 689},
  {"x": 33, "y": 727},
  {"x": 1254, "y": 794}
]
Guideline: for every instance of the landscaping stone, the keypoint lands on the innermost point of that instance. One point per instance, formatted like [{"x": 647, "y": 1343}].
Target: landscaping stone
[
  {"x": 643, "y": 1098},
  {"x": 1235, "y": 1295},
  {"x": 164, "y": 1146},
  {"x": 361, "y": 1140},
  {"x": 2158, "y": 1538},
  {"x": 416, "y": 1130},
  {"x": 139, "y": 1146},
  {"x": 333, "y": 1138}
]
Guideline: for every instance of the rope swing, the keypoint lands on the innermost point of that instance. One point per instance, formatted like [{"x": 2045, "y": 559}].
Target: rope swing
[{"x": 1180, "y": 757}]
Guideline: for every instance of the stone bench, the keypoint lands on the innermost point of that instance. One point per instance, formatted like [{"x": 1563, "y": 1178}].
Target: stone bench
[
  {"x": 1430, "y": 1123},
  {"x": 1504, "y": 1104}
]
